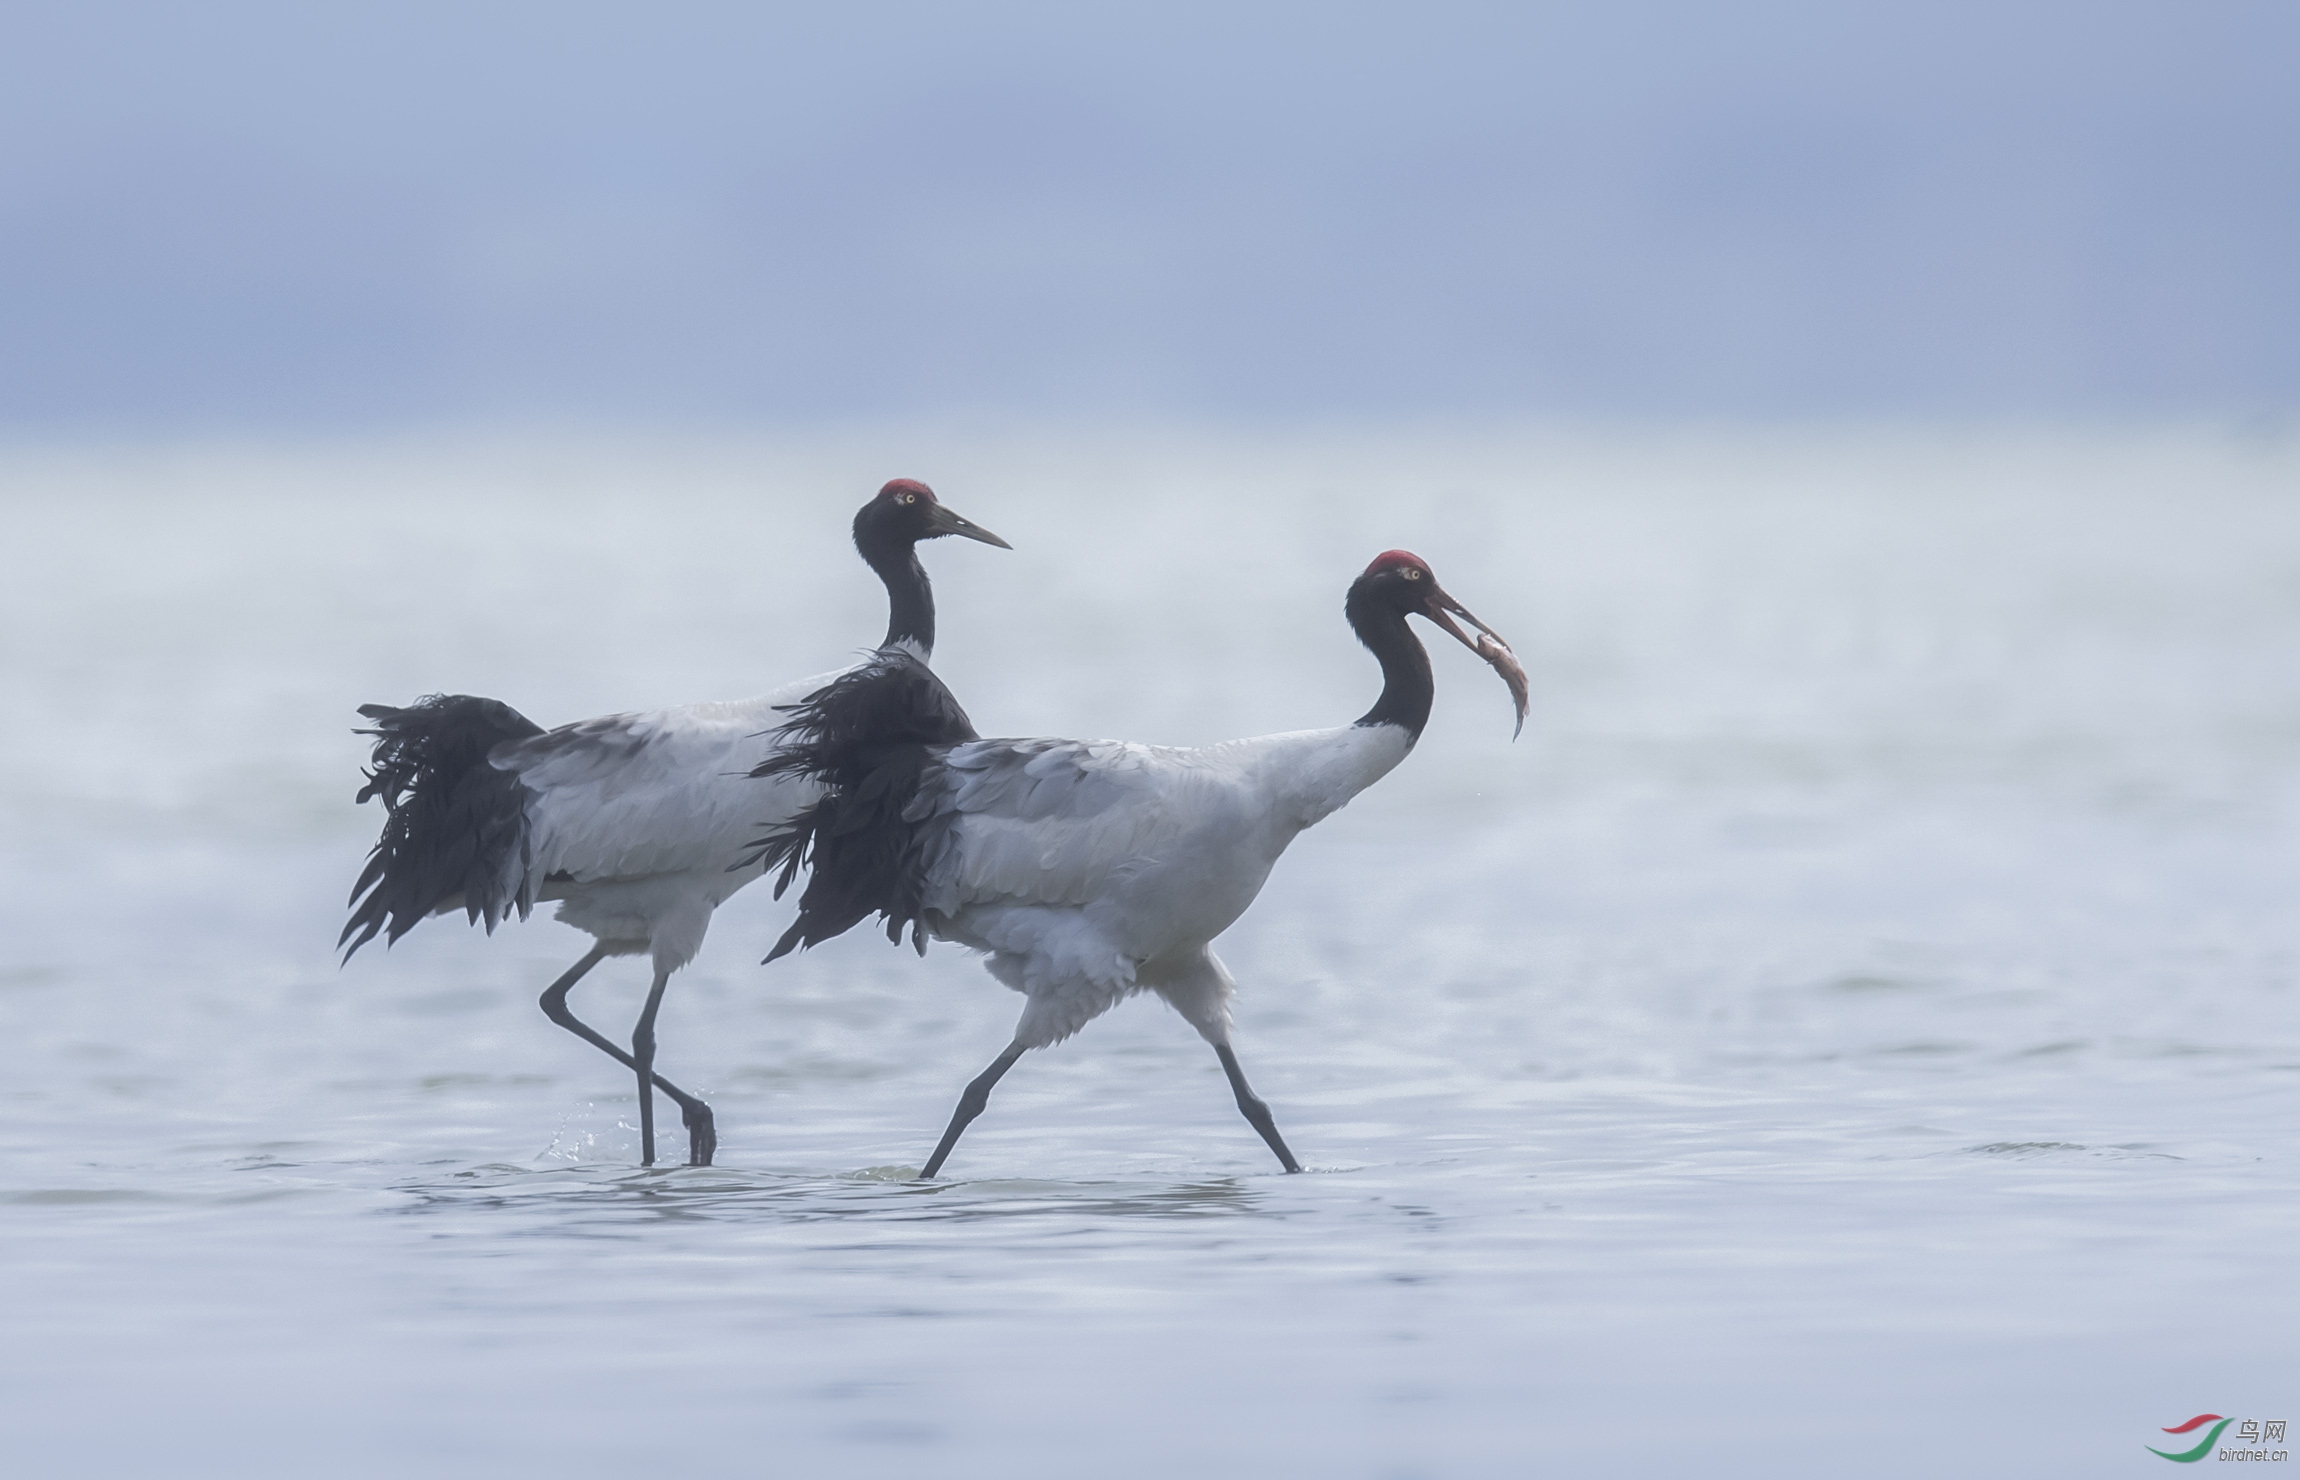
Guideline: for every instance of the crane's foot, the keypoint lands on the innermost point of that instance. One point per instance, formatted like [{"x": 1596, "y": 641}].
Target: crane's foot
[
  {"x": 1252, "y": 1107},
  {"x": 702, "y": 1134},
  {"x": 970, "y": 1104}
]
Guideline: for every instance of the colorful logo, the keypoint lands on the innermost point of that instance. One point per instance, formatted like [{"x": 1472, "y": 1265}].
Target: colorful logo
[{"x": 2203, "y": 1447}]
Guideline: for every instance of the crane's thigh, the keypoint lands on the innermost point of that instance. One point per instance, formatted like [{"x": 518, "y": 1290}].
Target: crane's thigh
[
  {"x": 1059, "y": 1009},
  {"x": 1199, "y": 987}
]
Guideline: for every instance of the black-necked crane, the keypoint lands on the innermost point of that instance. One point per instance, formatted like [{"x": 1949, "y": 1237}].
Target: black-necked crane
[
  {"x": 636, "y": 823},
  {"x": 1087, "y": 870}
]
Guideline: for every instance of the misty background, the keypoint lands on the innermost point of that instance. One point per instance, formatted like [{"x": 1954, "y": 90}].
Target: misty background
[{"x": 267, "y": 218}]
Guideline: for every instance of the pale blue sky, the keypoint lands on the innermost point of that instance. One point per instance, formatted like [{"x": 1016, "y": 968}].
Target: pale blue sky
[{"x": 290, "y": 217}]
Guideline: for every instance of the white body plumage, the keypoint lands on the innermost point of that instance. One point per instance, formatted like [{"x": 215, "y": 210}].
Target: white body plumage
[
  {"x": 1090, "y": 870},
  {"x": 635, "y": 822}
]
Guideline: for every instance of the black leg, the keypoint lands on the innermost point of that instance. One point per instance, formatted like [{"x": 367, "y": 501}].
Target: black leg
[
  {"x": 643, "y": 1060},
  {"x": 970, "y": 1105},
  {"x": 1250, "y": 1105},
  {"x": 702, "y": 1130}
]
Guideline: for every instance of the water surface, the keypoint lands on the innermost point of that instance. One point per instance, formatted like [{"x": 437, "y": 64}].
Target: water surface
[{"x": 1854, "y": 1028}]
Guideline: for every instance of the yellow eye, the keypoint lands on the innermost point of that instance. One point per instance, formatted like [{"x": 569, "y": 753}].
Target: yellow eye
[
  {"x": 908, "y": 498},
  {"x": 1412, "y": 574}
]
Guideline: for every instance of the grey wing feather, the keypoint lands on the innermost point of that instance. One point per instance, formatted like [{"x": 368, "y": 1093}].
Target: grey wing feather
[
  {"x": 1032, "y": 780},
  {"x": 627, "y": 795},
  {"x": 1059, "y": 821}
]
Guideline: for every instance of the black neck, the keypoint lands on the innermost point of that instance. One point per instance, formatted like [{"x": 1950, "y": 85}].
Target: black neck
[
  {"x": 1407, "y": 686},
  {"x": 909, "y": 598}
]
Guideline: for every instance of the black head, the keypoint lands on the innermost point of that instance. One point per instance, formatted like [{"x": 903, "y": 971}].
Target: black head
[
  {"x": 1400, "y": 582},
  {"x": 905, "y": 512},
  {"x": 1398, "y": 579}
]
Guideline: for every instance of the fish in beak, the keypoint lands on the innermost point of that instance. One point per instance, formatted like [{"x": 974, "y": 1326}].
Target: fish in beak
[{"x": 1488, "y": 644}]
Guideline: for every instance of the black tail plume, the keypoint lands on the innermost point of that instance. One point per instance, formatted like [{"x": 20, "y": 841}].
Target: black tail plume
[
  {"x": 452, "y": 821},
  {"x": 874, "y": 738}
]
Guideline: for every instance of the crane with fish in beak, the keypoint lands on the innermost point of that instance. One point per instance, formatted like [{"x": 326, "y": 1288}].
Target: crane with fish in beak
[{"x": 1086, "y": 870}]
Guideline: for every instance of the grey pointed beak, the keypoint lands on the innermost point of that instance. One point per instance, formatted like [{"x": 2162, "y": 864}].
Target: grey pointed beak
[
  {"x": 943, "y": 521},
  {"x": 1488, "y": 644}
]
